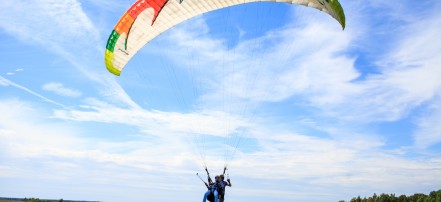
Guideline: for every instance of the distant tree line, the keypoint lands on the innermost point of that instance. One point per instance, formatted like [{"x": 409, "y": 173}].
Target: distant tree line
[
  {"x": 5, "y": 199},
  {"x": 41, "y": 200},
  {"x": 434, "y": 196}
]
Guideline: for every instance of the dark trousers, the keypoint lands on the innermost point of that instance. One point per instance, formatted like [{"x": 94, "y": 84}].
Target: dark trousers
[{"x": 221, "y": 198}]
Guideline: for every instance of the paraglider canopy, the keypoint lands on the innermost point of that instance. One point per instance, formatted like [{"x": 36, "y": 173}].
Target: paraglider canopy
[{"x": 146, "y": 19}]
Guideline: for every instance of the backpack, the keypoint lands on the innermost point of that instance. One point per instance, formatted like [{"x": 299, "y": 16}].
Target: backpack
[{"x": 210, "y": 197}]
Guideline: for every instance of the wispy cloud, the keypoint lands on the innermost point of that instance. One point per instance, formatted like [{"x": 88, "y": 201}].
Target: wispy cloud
[
  {"x": 333, "y": 161},
  {"x": 428, "y": 132},
  {"x": 59, "y": 89},
  {"x": 247, "y": 71},
  {"x": 64, "y": 28},
  {"x": 29, "y": 133},
  {"x": 47, "y": 22},
  {"x": 332, "y": 84},
  {"x": 283, "y": 156},
  {"x": 154, "y": 122},
  {"x": 6, "y": 82},
  {"x": 413, "y": 67}
]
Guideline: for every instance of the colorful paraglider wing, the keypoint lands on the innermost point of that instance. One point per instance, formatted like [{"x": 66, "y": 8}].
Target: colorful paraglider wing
[{"x": 146, "y": 19}]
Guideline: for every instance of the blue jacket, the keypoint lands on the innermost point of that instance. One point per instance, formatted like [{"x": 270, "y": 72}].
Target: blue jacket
[{"x": 223, "y": 184}]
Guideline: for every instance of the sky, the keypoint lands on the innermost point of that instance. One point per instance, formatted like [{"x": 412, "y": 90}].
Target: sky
[{"x": 299, "y": 109}]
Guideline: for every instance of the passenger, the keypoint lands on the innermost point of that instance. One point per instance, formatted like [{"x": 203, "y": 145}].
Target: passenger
[
  {"x": 223, "y": 184},
  {"x": 212, "y": 193}
]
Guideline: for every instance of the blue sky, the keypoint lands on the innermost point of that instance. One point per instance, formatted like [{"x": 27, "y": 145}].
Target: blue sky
[{"x": 321, "y": 114}]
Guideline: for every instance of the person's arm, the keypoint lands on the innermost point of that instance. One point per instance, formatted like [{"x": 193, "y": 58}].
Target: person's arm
[{"x": 210, "y": 182}]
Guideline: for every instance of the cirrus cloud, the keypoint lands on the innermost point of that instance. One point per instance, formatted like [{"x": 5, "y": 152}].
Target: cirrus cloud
[{"x": 61, "y": 90}]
